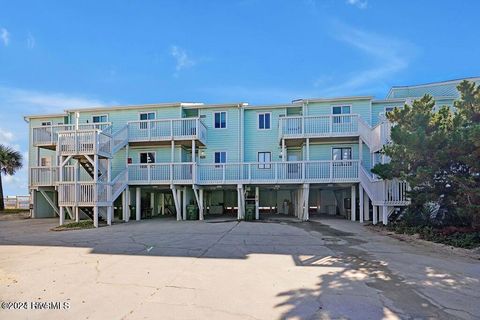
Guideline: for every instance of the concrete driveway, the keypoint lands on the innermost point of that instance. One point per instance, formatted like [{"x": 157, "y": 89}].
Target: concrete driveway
[{"x": 163, "y": 269}]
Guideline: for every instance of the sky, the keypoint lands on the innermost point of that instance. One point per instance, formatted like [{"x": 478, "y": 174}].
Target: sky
[{"x": 63, "y": 54}]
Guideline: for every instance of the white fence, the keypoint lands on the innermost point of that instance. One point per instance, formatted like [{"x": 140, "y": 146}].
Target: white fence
[
  {"x": 17, "y": 202},
  {"x": 167, "y": 129}
]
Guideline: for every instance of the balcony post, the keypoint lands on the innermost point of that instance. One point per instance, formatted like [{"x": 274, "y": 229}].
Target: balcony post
[
  {"x": 62, "y": 216},
  {"x": 149, "y": 130},
  {"x": 138, "y": 200},
  {"x": 184, "y": 203},
  {"x": 149, "y": 170},
  {"x": 249, "y": 172},
  {"x": 331, "y": 171},
  {"x": 197, "y": 127},
  {"x": 223, "y": 172},
  {"x": 353, "y": 204},
  {"x": 284, "y": 156},
  {"x": 375, "y": 214},
  {"x": 330, "y": 124},
  {"x": 275, "y": 165},
  {"x": 308, "y": 150},
  {"x": 171, "y": 129},
  {"x": 361, "y": 200},
  {"x": 172, "y": 151},
  {"x": 257, "y": 203},
  {"x": 384, "y": 215},
  {"x": 360, "y": 150}
]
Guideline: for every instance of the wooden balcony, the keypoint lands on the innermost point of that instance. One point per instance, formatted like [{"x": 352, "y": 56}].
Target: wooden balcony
[
  {"x": 161, "y": 173},
  {"x": 165, "y": 130}
]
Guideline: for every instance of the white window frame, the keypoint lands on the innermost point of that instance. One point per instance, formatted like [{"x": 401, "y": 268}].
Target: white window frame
[
  {"x": 48, "y": 162},
  {"x": 264, "y": 164},
  {"x": 342, "y": 105},
  {"x": 140, "y": 157},
  {"x": 143, "y": 124},
  {"x": 100, "y": 115},
  {"x": 226, "y": 119},
  {"x": 220, "y": 164},
  {"x": 345, "y": 162},
  {"x": 258, "y": 120},
  {"x": 340, "y": 120}
]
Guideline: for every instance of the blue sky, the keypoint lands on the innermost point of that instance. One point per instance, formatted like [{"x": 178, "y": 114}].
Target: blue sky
[{"x": 60, "y": 54}]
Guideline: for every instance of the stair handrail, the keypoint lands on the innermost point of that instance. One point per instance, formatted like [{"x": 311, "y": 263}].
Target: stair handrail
[
  {"x": 120, "y": 137},
  {"x": 119, "y": 182}
]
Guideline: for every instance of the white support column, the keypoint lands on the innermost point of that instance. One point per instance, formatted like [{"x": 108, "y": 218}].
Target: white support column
[
  {"x": 184, "y": 203},
  {"x": 193, "y": 150},
  {"x": 33, "y": 212},
  {"x": 62, "y": 216},
  {"x": 200, "y": 205},
  {"x": 375, "y": 214},
  {"x": 353, "y": 203},
  {"x": 284, "y": 151},
  {"x": 308, "y": 150},
  {"x": 240, "y": 202},
  {"x": 366, "y": 206},
  {"x": 306, "y": 193},
  {"x": 179, "y": 199},
  {"x": 172, "y": 151},
  {"x": 384, "y": 215},
  {"x": 129, "y": 202},
  {"x": 257, "y": 203},
  {"x": 138, "y": 201},
  {"x": 361, "y": 202},
  {"x": 124, "y": 205},
  {"x": 95, "y": 216},
  {"x": 109, "y": 215},
  {"x": 77, "y": 214}
]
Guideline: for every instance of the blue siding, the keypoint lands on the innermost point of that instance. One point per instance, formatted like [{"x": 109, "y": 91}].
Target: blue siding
[{"x": 360, "y": 107}]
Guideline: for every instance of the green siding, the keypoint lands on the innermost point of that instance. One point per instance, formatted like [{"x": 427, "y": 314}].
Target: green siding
[
  {"x": 324, "y": 151},
  {"x": 221, "y": 139},
  {"x": 257, "y": 140},
  {"x": 360, "y": 107}
]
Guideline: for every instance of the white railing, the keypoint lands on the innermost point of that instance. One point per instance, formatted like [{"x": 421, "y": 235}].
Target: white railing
[
  {"x": 83, "y": 193},
  {"x": 48, "y": 135},
  {"x": 167, "y": 129},
  {"x": 278, "y": 172},
  {"x": 318, "y": 126},
  {"x": 43, "y": 176},
  {"x": 103, "y": 126},
  {"x": 119, "y": 183},
  {"x": 388, "y": 192},
  {"x": 161, "y": 173},
  {"x": 84, "y": 142},
  {"x": 120, "y": 138}
]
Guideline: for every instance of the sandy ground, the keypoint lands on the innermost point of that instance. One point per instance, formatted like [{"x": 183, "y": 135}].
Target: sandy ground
[{"x": 164, "y": 269}]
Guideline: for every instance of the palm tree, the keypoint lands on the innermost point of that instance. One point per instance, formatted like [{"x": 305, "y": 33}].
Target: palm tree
[{"x": 10, "y": 162}]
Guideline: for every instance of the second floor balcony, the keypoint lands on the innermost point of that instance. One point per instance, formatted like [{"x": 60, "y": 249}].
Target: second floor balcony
[
  {"x": 47, "y": 136},
  {"x": 167, "y": 130}
]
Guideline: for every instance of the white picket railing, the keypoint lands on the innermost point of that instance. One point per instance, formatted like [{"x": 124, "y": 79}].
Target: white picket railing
[
  {"x": 161, "y": 173},
  {"x": 167, "y": 129},
  {"x": 83, "y": 193},
  {"x": 48, "y": 135},
  {"x": 318, "y": 126},
  {"x": 84, "y": 142},
  {"x": 388, "y": 192},
  {"x": 43, "y": 176},
  {"x": 119, "y": 183},
  {"x": 120, "y": 138}
]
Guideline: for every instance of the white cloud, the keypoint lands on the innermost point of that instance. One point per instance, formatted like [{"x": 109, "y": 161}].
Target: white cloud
[
  {"x": 4, "y": 36},
  {"x": 30, "y": 41},
  {"x": 358, "y": 3},
  {"x": 182, "y": 59},
  {"x": 6, "y": 136},
  {"x": 386, "y": 55}
]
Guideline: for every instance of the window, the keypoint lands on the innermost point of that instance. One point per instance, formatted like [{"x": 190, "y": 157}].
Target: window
[
  {"x": 220, "y": 120},
  {"x": 339, "y": 154},
  {"x": 220, "y": 157},
  {"x": 47, "y": 123},
  {"x": 146, "y": 116},
  {"x": 264, "y": 121},
  {"x": 45, "y": 162},
  {"x": 340, "y": 110},
  {"x": 265, "y": 157},
  {"x": 100, "y": 118},
  {"x": 388, "y": 109},
  {"x": 147, "y": 157}
]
